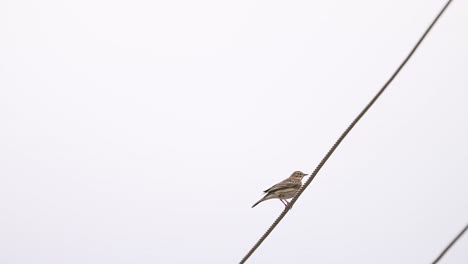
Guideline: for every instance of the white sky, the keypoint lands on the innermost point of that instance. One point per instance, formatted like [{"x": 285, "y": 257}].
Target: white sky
[{"x": 143, "y": 131}]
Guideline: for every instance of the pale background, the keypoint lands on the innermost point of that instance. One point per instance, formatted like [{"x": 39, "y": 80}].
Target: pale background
[{"x": 143, "y": 131}]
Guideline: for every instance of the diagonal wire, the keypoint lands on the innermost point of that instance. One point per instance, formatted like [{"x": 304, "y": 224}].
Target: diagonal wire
[
  {"x": 333, "y": 148},
  {"x": 450, "y": 245}
]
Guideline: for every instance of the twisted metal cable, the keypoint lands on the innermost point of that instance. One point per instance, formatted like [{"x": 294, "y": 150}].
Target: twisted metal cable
[
  {"x": 450, "y": 245},
  {"x": 337, "y": 143}
]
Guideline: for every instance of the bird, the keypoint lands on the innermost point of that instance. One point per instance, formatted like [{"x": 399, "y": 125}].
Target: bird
[{"x": 285, "y": 189}]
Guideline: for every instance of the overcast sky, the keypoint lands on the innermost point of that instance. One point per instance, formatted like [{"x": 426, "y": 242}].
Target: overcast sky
[{"x": 143, "y": 131}]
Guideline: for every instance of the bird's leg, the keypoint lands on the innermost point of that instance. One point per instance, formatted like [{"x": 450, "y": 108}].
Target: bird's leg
[{"x": 285, "y": 204}]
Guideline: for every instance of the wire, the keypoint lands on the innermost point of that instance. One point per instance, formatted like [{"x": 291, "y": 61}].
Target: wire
[
  {"x": 450, "y": 245},
  {"x": 333, "y": 148}
]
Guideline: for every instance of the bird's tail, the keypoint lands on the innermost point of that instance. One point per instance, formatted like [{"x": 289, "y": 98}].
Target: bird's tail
[{"x": 261, "y": 200}]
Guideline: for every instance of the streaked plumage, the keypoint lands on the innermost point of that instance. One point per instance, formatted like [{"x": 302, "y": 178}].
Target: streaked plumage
[{"x": 285, "y": 189}]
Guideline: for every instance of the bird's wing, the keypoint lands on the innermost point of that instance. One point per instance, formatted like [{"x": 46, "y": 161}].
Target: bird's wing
[{"x": 283, "y": 185}]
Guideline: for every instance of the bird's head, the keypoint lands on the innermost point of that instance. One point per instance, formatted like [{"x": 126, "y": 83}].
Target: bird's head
[{"x": 298, "y": 174}]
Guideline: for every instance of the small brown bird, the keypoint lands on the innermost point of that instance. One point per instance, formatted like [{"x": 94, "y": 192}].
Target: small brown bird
[{"x": 285, "y": 189}]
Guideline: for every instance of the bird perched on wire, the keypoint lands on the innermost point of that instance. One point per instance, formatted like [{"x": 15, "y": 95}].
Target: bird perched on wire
[{"x": 285, "y": 189}]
